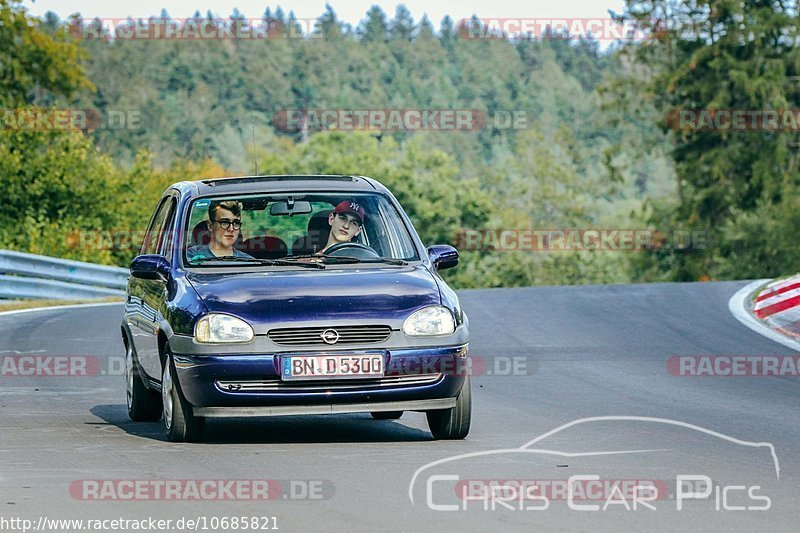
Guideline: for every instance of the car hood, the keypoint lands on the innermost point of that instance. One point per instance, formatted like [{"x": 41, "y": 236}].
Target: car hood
[{"x": 305, "y": 296}]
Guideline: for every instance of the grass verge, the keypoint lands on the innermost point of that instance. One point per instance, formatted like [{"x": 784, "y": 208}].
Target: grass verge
[{"x": 13, "y": 305}]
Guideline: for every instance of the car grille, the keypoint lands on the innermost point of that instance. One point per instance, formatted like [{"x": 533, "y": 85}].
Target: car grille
[
  {"x": 313, "y": 336},
  {"x": 276, "y": 385}
]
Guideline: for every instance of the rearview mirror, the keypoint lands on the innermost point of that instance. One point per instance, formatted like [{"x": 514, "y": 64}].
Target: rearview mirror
[
  {"x": 443, "y": 256},
  {"x": 290, "y": 207}
]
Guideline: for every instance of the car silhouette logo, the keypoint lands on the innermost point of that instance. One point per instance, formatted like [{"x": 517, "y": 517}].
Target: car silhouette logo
[
  {"x": 531, "y": 447},
  {"x": 330, "y": 336}
]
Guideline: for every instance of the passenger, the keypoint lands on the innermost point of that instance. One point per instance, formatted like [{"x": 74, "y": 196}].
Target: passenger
[
  {"x": 346, "y": 221},
  {"x": 224, "y": 223}
]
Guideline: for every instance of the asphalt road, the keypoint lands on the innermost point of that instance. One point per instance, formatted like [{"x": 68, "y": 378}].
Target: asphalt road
[{"x": 579, "y": 352}]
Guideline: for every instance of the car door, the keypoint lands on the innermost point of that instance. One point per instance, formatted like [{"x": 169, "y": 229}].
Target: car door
[{"x": 148, "y": 294}]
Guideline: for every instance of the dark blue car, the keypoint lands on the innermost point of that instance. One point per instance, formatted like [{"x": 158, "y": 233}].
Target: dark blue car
[{"x": 289, "y": 295}]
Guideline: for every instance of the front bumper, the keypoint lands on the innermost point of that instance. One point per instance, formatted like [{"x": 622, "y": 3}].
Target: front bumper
[
  {"x": 283, "y": 410},
  {"x": 250, "y": 384}
]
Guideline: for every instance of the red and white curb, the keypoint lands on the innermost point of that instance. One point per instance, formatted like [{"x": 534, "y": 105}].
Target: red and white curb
[
  {"x": 774, "y": 312},
  {"x": 778, "y": 305}
]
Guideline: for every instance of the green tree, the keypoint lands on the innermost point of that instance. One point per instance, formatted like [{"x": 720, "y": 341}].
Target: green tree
[
  {"x": 35, "y": 60},
  {"x": 401, "y": 27},
  {"x": 56, "y": 185},
  {"x": 722, "y": 55},
  {"x": 374, "y": 28}
]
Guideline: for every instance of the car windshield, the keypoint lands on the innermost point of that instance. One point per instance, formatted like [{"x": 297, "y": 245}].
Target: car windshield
[{"x": 281, "y": 228}]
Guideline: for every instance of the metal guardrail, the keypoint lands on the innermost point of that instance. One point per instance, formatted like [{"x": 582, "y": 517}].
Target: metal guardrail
[{"x": 39, "y": 277}]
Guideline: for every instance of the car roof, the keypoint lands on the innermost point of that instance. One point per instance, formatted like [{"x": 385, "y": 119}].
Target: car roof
[{"x": 279, "y": 183}]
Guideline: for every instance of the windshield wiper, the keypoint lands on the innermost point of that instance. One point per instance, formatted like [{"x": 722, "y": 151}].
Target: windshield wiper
[
  {"x": 348, "y": 259},
  {"x": 268, "y": 262}
]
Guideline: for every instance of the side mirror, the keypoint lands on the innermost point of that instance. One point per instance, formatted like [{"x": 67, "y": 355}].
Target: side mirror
[
  {"x": 443, "y": 256},
  {"x": 150, "y": 267}
]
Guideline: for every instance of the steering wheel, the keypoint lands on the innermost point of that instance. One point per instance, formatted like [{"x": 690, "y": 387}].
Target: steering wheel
[{"x": 353, "y": 249}]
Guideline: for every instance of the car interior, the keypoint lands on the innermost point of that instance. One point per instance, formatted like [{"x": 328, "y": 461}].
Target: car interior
[{"x": 268, "y": 246}]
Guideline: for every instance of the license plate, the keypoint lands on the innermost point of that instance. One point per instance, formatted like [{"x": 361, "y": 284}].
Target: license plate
[{"x": 332, "y": 366}]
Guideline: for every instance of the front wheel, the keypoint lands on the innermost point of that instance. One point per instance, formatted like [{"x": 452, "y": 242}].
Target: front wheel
[
  {"x": 144, "y": 405},
  {"x": 453, "y": 423},
  {"x": 179, "y": 420}
]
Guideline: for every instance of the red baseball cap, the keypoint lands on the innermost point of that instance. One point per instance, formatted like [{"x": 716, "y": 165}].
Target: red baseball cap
[{"x": 349, "y": 206}]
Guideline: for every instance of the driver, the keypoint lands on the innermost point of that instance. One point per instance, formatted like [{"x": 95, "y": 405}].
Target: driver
[
  {"x": 224, "y": 222},
  {"x": 346, "y": 221}
]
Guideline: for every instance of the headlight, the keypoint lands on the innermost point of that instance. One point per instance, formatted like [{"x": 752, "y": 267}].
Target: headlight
[
  {"x": 222, "y": 328},
  {"x": 434, "y": 320}
]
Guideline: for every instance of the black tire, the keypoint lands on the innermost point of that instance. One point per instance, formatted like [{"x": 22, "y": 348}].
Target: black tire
[
  {"x": 386, "y": 415},
  {"x": 144, "y": 405},
  {"x": 453, "y": 423},
  {"x": 179, "y": 421}
]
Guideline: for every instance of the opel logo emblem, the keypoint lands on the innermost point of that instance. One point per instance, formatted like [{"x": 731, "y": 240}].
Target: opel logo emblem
[{"x": 330, "y": 336}]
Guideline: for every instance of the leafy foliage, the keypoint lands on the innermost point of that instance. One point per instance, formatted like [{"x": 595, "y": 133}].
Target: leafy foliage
[
  {"x": 725, "y": 55},
  {"x": 598, "y": 147},
  {"x": 35, "y": 61}
]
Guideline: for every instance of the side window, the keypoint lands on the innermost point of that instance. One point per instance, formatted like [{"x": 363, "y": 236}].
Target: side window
[
  {"x": 150, "y": 243},
  {"x": 165, "y": 239}
]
